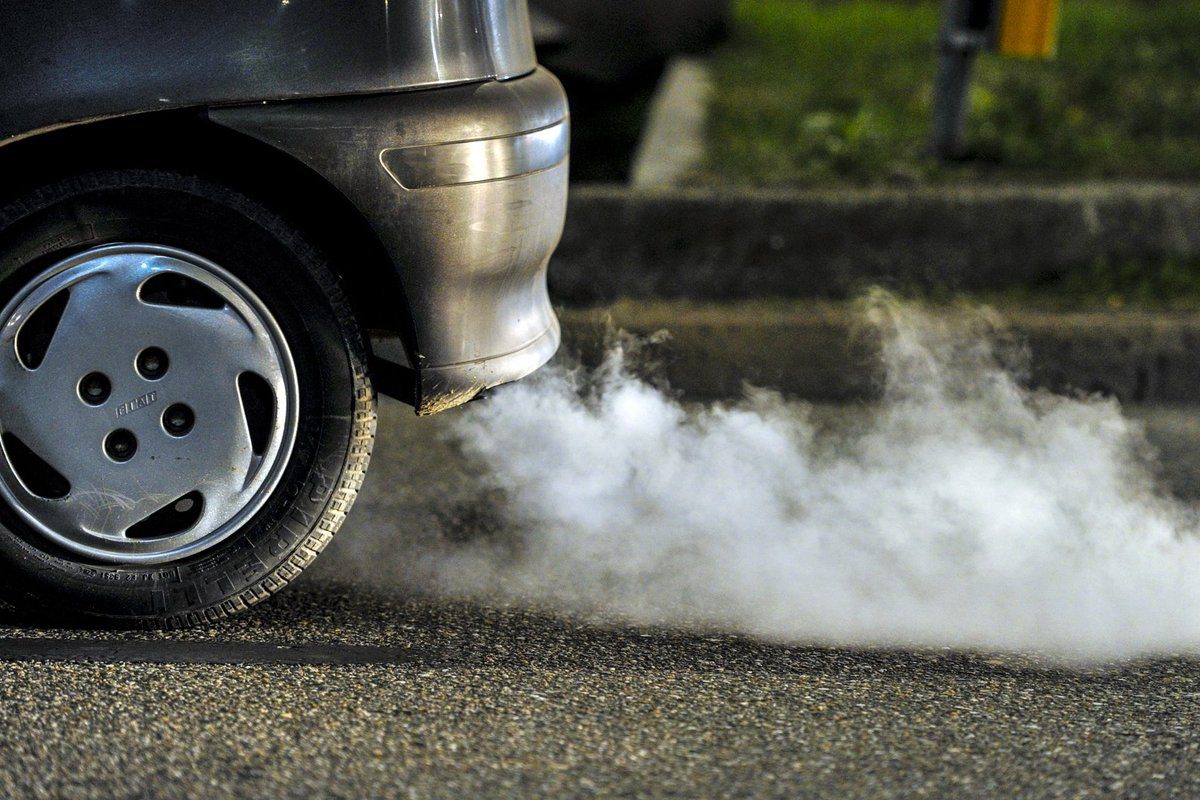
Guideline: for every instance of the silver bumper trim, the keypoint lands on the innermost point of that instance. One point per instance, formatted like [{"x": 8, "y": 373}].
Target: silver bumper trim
[{"x": 470, "y": 247}]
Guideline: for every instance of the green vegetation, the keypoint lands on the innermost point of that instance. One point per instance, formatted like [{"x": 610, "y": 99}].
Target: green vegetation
[
  {"x": 1152, "y": 286},
  {"x": 819, "y": 93}
]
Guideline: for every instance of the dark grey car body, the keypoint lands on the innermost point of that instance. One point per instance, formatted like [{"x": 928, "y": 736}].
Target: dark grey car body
[{"x": 428, "y": 120}]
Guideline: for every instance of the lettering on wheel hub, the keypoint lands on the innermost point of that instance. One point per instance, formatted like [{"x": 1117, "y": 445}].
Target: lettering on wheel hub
[{"x": 129, "y": 407}]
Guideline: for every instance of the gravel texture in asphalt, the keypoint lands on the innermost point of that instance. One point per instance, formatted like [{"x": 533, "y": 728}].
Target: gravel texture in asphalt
[{"x": 351, "y": 685}]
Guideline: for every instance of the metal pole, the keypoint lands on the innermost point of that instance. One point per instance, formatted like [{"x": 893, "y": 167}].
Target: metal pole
[
  {"x": 950, "y": 100},
  {"x": 966, "y": 29}
]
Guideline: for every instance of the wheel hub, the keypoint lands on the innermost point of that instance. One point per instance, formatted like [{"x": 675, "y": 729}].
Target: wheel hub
[{"x": 148, "y": 403}]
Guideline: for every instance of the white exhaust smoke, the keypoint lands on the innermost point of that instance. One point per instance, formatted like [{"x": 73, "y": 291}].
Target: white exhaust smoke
[{"x": 963, "y": 510}]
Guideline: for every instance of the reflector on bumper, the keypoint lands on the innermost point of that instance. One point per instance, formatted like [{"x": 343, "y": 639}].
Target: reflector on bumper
[{"x": 424, "y": 166}]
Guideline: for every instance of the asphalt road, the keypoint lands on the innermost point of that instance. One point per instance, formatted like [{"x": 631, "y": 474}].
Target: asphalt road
[{"x": 350, "y": 685}]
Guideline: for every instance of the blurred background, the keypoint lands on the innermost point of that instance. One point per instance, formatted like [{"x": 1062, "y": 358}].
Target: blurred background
[
  {"x": 834, "y": 92},
  {"x": 744, "y": 169}
]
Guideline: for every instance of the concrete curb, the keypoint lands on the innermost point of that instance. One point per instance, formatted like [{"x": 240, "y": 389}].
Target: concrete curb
[
  {"x": 673, "y": 140},
  {"x": 742, "y": 244},
  {"x": 824, "y": 353}
]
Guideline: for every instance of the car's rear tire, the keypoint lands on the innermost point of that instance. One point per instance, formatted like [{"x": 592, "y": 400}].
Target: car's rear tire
[{"x": 230, "y": 369}]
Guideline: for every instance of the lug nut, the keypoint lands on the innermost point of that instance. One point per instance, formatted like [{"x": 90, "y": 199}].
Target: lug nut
[
  {"x": 120, "y": 445},
  {"x": 152, "y": 363},
  {"x": 94, "y": 388},
  {"x": 178, "y": 420}
]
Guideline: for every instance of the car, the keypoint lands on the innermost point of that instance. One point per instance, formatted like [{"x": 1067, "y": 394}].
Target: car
[{"x": 223, "y": 228}]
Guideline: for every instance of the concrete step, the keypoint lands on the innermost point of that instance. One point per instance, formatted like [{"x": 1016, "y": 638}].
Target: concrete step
[
  {"x": 737, "y": 244},
  {"x": 826, "y": 351}
]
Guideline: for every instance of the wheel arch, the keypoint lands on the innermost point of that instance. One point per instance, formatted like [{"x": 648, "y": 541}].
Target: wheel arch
[{"x": 188, "y": 141}]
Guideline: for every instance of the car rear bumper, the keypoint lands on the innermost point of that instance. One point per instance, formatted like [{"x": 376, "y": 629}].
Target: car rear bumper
[{"x": 466, "y": 189}]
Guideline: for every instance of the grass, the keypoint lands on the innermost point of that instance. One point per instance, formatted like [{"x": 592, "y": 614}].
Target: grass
[
  {"x": 826, "y": 93},
  {"x": 1169, "y": 285}
]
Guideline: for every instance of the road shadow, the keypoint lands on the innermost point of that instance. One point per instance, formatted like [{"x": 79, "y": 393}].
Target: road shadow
[{"x": 144, "y": 651}]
